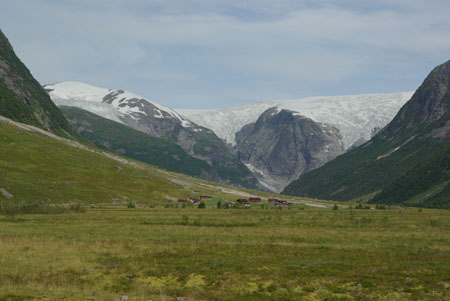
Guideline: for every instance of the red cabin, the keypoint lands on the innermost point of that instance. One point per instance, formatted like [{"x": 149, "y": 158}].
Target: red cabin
[
  {"x": 205, "y": 198},
  {"x": 255, "y": 200},
  {"x": 273, "y": 201}
]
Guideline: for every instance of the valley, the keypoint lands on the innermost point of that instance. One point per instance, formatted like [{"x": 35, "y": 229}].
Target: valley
[{"x": 108, "y": 195}]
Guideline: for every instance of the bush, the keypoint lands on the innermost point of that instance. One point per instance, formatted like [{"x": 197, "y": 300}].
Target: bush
[
  {"x": 362, "y": 207},
  {"x": 202, "y": 205},
  {"x": 10, "y": 208},
  {"x": 335, "y": 207},
  {"x": 131, "y": 205}
]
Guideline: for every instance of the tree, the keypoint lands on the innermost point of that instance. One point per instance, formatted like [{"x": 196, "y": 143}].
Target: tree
[
  {"x": 219, "y": 204},
  {"x": 202, "y": 205}
]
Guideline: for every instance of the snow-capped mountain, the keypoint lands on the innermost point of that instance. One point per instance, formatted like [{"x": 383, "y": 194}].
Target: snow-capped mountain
[
  {"x": 158, "y": 121},
  {"x": 111, "y": 104},
  {"x": 355, "y": 116}
]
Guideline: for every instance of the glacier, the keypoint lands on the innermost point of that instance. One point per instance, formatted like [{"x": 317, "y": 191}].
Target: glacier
[{"x": 355, "y": 116}]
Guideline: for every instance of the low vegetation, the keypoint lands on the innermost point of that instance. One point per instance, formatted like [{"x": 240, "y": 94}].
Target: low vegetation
[{"x": 227, "y": 254}]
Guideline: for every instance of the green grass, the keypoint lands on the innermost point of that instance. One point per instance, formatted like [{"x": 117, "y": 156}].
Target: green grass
[
  {"x": 227, "y": 254},
  {"x": 37, "y": 168}
]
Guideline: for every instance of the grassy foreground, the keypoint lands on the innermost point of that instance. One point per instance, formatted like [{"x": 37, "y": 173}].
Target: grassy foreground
[{"x": 226, "y": 254}]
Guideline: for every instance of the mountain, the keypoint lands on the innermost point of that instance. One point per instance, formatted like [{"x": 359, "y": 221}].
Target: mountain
[
  {"x": 23, "y": 99},
  {"x": 283, "y": 144},
  {"x": 355, "y": 116},
  {"x": 158, "y": 121},
  {"x": 135, "y": 144},
  {"x": 406, "y": 162}
]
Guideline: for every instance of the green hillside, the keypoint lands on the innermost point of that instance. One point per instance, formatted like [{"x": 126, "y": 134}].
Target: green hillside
[
  {"x": 134, "y": 144},
  {"x": 23, "y": 99},
  {"x": 419, "y": 131},
  {"x": 427, "y": 184},
  {"x": 35, "y": 167}
]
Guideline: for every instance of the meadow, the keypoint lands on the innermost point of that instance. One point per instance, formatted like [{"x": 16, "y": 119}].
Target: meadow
[{"x": 261, "y": 253}]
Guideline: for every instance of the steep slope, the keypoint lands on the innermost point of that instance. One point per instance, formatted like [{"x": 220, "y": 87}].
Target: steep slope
[
  {"x": 282, "y": 144},
  {"x": 159, "y": 121},
  {"x": 417, "y": 133},
  {"x": 23, "y": 99},
  {"x": 355, "y": 116},
  {"x": 427, "y": 184},
  {"x": 134, "y": 144},
  {"x": 36, "y": 165}
]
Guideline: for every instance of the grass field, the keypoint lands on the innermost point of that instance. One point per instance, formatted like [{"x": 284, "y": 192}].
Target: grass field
[{"x": 226, "y": 254}]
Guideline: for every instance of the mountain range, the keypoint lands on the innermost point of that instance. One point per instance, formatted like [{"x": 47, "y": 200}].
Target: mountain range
[{"x": 352, "y": 119}]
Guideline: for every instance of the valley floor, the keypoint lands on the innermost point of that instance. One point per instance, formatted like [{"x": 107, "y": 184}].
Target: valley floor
[{"x": 227, "y": 254}]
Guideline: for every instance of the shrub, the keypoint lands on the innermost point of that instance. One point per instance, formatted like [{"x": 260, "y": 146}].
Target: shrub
[
  {"x": 202, "y": 205},
  {"x": 131, "y": 205}
]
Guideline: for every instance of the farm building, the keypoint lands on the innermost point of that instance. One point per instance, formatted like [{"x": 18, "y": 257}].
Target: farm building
[
  {"x": 183, "y": 201},
  {"x": 273, "y": 201},
  {"x": 255, "y": 200},
  {"x": 205, "y": 197}
]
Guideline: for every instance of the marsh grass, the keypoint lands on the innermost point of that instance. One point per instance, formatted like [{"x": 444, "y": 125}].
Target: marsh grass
[{"x": 214, "y": 254}]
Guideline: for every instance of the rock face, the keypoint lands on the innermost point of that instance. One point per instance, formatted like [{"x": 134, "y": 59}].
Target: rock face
[
  {"x": 281, "y": 145},
  {"x": 158, "y": 121},
  {"x": 23, "y": 99},
  {"x": 429, "y": 104},
  {"x": 406, "y": 162}
]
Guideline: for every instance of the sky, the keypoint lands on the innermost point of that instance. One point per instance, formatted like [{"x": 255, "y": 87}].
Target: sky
[{"x": 204, "y": 54}]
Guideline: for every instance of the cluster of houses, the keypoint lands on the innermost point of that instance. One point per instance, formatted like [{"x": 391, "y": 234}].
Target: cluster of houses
[{"x": 242, "y": 202}]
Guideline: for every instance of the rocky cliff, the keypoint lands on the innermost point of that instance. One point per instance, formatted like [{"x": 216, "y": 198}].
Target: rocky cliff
[{"x": 282, "y": 144}]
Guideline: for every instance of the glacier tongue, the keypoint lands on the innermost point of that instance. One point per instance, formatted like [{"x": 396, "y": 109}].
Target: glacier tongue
[{"x": 354, "y": 115}]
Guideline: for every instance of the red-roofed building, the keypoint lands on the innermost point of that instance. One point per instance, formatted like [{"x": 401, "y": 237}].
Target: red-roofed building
[{"x": 255, "y": 200}]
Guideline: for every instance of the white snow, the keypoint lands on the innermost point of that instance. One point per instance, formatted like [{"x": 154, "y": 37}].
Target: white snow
[
  {"x": 91, "y": 98},
  {"x": 354, "y": 115}
]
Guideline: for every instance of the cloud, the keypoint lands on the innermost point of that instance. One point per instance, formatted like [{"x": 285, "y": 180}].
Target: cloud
[{"x": 213, "y": 53}]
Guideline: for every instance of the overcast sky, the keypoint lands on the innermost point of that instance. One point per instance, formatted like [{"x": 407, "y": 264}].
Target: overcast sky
[{"x": 219, "y": 53}]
